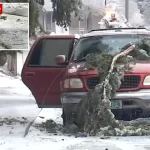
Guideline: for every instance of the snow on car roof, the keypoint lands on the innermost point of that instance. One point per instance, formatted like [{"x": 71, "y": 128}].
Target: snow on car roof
[{"x": 117, "y": 32}]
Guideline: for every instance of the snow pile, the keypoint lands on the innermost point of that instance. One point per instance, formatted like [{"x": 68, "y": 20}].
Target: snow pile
[
  {"x": 139, "y": 127},
  {"x": 12, "y": 84},
  {"x": 16, "y": 5},
  {"x": 20, "y": 9}
]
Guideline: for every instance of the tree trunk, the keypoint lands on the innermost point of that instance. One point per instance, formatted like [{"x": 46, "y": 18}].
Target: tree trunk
[{"x": 32, "y": 14}]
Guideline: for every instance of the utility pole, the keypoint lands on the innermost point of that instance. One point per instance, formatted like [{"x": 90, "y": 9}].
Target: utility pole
[
  {"x": 89, "y": 19},
  {"x": 127, "y": 9},
  {"x": 105, "y": 3}
]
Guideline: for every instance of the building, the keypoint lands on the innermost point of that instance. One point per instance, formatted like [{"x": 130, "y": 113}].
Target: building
[
  {"x": 21, "y": 57},
  {"x": 15, "y": 61},
  {"x": 45, "y": 16},
  {"x": 88, "y": 22}
]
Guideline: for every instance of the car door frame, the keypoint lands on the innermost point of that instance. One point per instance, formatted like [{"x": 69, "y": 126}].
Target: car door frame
[{"x": 29, "y": 67}]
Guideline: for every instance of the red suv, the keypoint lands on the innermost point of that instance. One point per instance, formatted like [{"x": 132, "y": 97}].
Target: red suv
[{"x": 54, "y": 71}]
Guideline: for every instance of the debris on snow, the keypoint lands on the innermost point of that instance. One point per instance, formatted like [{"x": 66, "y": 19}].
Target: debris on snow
[{"x": 51, "y": 126}]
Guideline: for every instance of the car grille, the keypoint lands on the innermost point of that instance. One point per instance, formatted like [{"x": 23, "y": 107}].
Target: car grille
[{"x": 128, "y": 82}]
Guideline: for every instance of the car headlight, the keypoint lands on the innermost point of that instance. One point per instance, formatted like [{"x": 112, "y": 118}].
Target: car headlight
[
  {"x": 146, "y": 80},
  {"x": 73, "y": 83}
]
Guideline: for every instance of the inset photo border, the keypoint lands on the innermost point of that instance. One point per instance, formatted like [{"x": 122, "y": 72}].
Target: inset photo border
[{"x": 14, "y": 26}]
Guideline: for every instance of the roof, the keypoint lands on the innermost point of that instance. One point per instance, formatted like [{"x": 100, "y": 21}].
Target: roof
[{"x": 117, "y": 32}]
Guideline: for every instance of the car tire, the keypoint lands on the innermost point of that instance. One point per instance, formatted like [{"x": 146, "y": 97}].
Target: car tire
[
  {"x": 67, "y": 118},
  {"x": 64, "y": 118}
]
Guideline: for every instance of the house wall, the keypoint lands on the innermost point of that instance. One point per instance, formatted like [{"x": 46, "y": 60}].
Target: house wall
[
  {"x": 21, "y": 57},
  {"x": 76, "y": 25},
  {"x": 15, "y": 63},
  {"x": 19, "y": 63},
  {"x": 12, "y": 63},
  {"x": 45, "y": 20}
]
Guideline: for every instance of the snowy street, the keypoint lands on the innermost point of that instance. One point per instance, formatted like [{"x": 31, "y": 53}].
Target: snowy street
[{"x": 18, "y": 108}]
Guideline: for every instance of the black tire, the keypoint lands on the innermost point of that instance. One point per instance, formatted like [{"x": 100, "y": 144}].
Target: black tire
[
  {"x": 64, "y": 118},
  {"x": 67, "y": 118}
]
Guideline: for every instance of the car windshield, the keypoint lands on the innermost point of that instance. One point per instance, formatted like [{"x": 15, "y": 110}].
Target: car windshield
[{"x": 107, "y": 43}]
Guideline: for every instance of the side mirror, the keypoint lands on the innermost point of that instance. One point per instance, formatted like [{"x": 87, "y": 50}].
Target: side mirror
[{"x": 61, "y": 60}]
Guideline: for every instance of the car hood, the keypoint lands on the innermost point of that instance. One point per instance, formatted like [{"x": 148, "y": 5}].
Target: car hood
[{"x": 141, "y": 67}]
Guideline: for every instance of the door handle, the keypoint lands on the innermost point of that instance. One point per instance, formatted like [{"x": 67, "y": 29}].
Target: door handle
[{"x": 30, "y": 74}]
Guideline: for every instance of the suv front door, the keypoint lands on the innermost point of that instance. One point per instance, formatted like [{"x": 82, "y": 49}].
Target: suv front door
[{"x": 40, "y": 72}]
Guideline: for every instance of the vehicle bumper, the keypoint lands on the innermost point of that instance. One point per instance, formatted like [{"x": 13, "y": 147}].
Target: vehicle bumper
[{"x": 130, "y": 100}]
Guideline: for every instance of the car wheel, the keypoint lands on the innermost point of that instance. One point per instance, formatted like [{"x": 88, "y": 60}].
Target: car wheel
[
  {"x": 64, "y": 118},
  {"x": 67, "y": 118}
]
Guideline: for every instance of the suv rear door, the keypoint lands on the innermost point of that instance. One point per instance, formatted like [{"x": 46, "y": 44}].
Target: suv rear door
[{"x": 40, "y": 72}]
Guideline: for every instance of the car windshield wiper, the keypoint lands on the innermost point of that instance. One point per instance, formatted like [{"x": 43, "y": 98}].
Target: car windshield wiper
[{"x": 78, "y": 60}]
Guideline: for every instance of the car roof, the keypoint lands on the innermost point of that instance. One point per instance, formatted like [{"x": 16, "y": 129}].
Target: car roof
[{"x": 116, "y": 32}]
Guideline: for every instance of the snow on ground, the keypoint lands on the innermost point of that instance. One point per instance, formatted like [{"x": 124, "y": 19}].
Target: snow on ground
[
  {"x": 15, "y": 26},
  {"x": 18, "y": 108},
  {"x": 20, "y": 9},
  {"x": 12, "y": 85},
  {"x": 16, "y": 5},
  {"x": 14, "y": 22}
]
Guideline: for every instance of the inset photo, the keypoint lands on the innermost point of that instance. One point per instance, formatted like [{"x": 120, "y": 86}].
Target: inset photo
[{"x": 14, "y": 26}]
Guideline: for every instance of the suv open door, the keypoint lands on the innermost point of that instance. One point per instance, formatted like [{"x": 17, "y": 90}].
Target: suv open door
[{"x": 40, "y": 72}]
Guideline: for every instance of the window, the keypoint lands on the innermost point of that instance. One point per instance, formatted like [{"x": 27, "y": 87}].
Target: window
[
  {"x": 108, "y": 43},
  {"x": 46, "y": 50}
]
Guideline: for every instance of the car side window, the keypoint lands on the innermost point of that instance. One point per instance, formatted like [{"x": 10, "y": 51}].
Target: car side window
[{"x": 46, "y": 50}]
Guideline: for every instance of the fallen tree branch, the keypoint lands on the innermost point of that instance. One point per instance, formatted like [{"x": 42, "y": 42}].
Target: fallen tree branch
[{"x": 94, "y": 108}]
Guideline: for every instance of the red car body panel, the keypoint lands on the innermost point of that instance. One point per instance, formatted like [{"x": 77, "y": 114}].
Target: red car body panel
[
  {"x": 140, "y": 68},
  {"x": 44, "y": 82}
]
